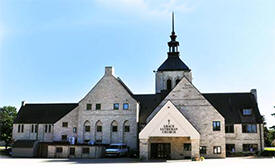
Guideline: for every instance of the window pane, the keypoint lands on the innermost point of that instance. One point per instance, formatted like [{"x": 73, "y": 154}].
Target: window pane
[
  {"x": 99, "y": 128},
  {"x": 87, "y": 128},
  {"x": 89, "y": 107},
  {"x": 114, "y": 128},
  {"x": 116, "y": 106},
  {"x": 125, "y": 106},
  {"x": 46, "y": 128},
  {"x": 247, "y": 111},
  {"x": 65, "y": 124},
  {"x": 50, "y": 128},
  {"x": 98, "y": 106},
  {"x": 126, "y": 128}
]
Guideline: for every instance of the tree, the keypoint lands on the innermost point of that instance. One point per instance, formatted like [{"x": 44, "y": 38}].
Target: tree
[{"x": 7, "y": 116}]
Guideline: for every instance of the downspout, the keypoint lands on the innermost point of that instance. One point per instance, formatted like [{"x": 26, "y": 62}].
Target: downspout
[{"x": 261, "y": 144}]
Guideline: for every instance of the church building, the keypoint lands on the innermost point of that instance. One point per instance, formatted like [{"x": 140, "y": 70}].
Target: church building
[{"x": 175, "y": 122}]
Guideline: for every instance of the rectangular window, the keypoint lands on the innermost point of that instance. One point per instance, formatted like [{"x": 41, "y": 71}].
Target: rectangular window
[
  {"x": 18, "y": 128},
  {"x": 59, "y": 149},
  {"x": 74, "y": 130},
  {"x": 87, "y": 128},
  {"x": 88, "y": 106},
  {"x": 50, "y": 128},
  {"x": 46, "y": 128},
  {"x": 229, "y": 128},
  {"x": 114, "y": 128},
  {"x": 86, "y": 140},
  {"x": 65, "y": 124},
  {"x": 247, "y": 112},
  {"x": 72, "y": 151},
  {"x": 32, "y": 128},
  {"x": 250, "y": 147},
  {"x": 98, "y": 141},
  {"x": 202, "y": 149},
  {"x": 216, "y": 125},
  {"x": 187, "y": 147},
  {"x": 125, "y": 106},
  {"x": 22, "y": 128},
  {"x": 230, "y": 148},
  {"x": 36, "y": 128},
  {"x": 98, "y": 106},
  {"x": 85, "y": 150},
  {"x": 99, "y": 128},
  {"x": 116, "y": 106},
  {"x": 249, "y": 128},
  {"x": 64, "y": 137},
  {"x": 217, "y": 150},
  {"x": 126, "y": 128}
]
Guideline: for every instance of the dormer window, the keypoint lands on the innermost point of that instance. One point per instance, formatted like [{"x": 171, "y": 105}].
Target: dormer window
[{"x": 247, "y": 112}]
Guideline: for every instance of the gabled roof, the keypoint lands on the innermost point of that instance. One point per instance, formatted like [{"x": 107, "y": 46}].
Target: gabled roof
[
  {"x": 43, "y": 113},
  {"x": 173, "y": 63},
  {"x": 230, "y": 106}
]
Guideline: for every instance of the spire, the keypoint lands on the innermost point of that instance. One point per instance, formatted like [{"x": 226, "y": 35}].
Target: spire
[
  {"x": 173, "y": 44},
  {"x": 173, "y": 23}
]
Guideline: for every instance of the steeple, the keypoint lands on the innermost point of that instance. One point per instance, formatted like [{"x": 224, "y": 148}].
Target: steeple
[{"x": 173, "y": 44}]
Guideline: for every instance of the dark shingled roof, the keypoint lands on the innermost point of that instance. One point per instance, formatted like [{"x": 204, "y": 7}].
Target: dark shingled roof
[
  {"x": 173, "y": 64},
  {"x": 148, "y": 102},
  {"x": 230, "y": 105},
  {"x": 43, "y": 113}
]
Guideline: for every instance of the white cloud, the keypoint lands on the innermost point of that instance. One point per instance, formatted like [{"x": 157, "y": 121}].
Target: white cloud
[{"x": 150, "y": 7}]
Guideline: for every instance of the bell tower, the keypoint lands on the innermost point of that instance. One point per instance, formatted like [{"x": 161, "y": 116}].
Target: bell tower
[{"x": 173, "y": 69}]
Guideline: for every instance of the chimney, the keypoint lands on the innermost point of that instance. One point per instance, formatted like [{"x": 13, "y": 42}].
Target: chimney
[
  {"x": 254, "y": 92},
  {"x": 23, "y": 103},
  {"x": 109, "y": 71}
]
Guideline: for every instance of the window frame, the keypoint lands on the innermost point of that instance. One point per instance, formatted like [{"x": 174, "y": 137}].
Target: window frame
[
  {"x": 116, "y": 106},
  {"x": 88, "y": 106},
  {"x": 219, "y": 150},
  {"x": 114, "y": 128},
  {"x": 126, "y": 128},
  {"x": 229, "y": 128},
  {"x": 97, "y": 106},
  {"x": 59, "y": 150},
  {"x": 85, "y": 150},
  {"x": 99, "y": 128},
  {"x": 63, "y": 137},
  {"x": 74, "y": 130},
  {"x": 245, "y": 128},
  {"x": 203, "y": 150},
  {"x": 187, "y": 147},
  {"x": 246, "y": 110},
  {"x": 124, "y": 104},
  {"x": 215, "y": 126},
  {"x": 87, "y": 128},
  {"x": 72, "y": 151},
  {"x": 249, "y": 146},
  {"x": 65, "y": 124}
]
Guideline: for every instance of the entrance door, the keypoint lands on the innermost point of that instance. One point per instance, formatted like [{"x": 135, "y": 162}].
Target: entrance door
[{"x": 160, "y": 150}]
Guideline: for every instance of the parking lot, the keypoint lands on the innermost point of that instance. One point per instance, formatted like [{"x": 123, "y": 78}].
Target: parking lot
[{"x": 128, "y": 163}]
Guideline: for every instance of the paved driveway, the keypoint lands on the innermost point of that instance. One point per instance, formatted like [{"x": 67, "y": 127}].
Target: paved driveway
[{"x": 128, "y": 163}]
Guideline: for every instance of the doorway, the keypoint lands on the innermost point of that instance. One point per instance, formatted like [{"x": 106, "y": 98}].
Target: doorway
[{"x": 160, "y": 150}]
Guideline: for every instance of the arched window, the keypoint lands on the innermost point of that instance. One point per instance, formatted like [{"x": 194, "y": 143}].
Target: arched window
[
  {"x": 126, "y": 126},
  {"x": 98, "y": 126},
  {"x": 114, "y": 126},
  {"x": 177, "y": 81},
  {"x": 87, "y": 126},
  {"x": 169, "y": 84}
]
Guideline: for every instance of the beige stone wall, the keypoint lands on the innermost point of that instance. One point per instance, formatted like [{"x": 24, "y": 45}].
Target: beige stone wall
[
  {"x": 107, "y": 92},
  {"x": 238, "y": 138},
  {"x": 27, "y": 134},
  {"x": 162, "y": 77},
  {"x": 72, "y": 119},
  {"x": 200, "y": 113},
  {"x": 94, "y": 151}
]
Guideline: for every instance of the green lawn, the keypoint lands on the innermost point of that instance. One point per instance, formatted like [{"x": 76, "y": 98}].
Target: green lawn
[{"x": 270, "y": 149}]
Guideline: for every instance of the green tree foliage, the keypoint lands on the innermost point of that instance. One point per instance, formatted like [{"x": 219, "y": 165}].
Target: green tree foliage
[{"x": 7, "y": 116}]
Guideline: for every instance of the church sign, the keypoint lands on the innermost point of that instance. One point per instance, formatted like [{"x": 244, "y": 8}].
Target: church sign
[{"x": 168, "y": 128}]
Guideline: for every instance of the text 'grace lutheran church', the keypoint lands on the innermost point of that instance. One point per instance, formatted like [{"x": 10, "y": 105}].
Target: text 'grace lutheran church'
[{"x": 175, "y": 122}]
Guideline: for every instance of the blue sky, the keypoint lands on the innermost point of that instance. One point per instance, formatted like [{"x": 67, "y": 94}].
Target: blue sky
[{"x": 56, "y": 50}]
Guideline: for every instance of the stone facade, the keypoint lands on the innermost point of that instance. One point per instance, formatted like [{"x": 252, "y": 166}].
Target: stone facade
[
  {"x": 238, "y": 138},
  {"x": 163, "y": 76},
  {"x": 199, "y": 112}
]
